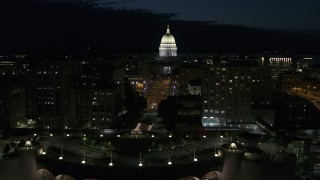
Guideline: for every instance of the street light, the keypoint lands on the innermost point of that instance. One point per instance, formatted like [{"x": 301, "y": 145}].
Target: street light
[
  {"x": 110, "y": 164},
  {"x": 84, "y": 150},
  {"x": 194, "y": 155},
  {"x": 140, "y": 163},
  {"x": 169, "y": 159},
  {"x": 61, "y": 153},
  {"x": 204, "y": 136},
  {"x": 44, "y": 150},
  {"x": 84, "y": 157},
  {"x": 215, "y": 151}
]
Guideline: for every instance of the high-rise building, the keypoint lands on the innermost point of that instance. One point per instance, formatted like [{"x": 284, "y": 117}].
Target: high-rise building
[
  {"x": 98, "y": 105},
  {"x": 230, "y": 90},
  {"x": 186, "y": 74},
  {"x": 12, "y": 105},
  {"x": 289, "y": 81},
  {"x": 279, "y": 65},
  {"x": 293, "y": 112},
  {"x": 54, "y": 103},
  {"x": 98, "y": 97}
]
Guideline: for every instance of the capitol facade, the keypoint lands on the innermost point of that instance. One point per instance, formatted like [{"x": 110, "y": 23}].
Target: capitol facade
[{"x": 168, "y": 47}]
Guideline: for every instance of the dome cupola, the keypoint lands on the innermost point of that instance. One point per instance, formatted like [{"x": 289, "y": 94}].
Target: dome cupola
[{"x": 168, "y": 45}]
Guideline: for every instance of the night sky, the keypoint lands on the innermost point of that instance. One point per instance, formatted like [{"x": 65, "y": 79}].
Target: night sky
[
  {"x": 48, "y": 26},
  {"x": 271, "y": 14}
]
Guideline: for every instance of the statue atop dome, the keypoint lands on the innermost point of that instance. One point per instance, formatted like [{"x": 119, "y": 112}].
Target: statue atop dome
[{"x": 168, "y": 47}]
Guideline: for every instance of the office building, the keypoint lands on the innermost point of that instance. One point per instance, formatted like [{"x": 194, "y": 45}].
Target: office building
[{"x": 231, "y": 89}]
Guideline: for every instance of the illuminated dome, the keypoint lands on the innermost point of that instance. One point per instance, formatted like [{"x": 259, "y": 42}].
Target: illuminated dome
[
  {"x": 168, "y": 38},
  {"x": 168, "y": 45}
]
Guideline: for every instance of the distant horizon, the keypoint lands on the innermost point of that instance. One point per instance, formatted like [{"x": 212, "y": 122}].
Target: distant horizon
[{"x": 70, "y": 26}]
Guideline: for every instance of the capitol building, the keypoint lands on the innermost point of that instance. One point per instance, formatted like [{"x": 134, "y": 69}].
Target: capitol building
[{"x": 168, "y": 47}]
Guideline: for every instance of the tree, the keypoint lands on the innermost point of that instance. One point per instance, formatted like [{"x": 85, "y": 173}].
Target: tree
[
  {"x": 168, "y": 111},
  {"x": 6, "y": 150},
  {"x": 134, "y": 104}
]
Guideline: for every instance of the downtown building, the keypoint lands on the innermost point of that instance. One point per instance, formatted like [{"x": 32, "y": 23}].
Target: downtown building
[
  {"x": 294, "y": 113},
  {"x": 12, "y": 104},
  {"x": 99, "y": 96},
  {"x": 189, "y": 79},
  {"x": 12, "y": 91},
  {"x": 49, "y": 97},
  {"x": 289, "y": 81},
  {"x": 97, "y": 105},
  {"x": 278, "y": 65},
  {"x": 236, "y": 93}
]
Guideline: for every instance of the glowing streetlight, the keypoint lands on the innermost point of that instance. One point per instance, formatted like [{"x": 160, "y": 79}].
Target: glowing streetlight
[
  {"x": 51, "y": 134},
  {"x": 169, "y": 159},
  {"x": 61, "y": 153},
  {"x": 111, "y": 164},
  {"x": 68, "y": 135},
  {"x": 140, "y": 162},
  {"x": 215, "y": 151},
  {"x": 101, "y": 135},
  {"x": 194, "y": 155},
  {"x": 84, "y": 152},
  {"x": 44, "y": 149},
  {"x": 84, "y": 157}
]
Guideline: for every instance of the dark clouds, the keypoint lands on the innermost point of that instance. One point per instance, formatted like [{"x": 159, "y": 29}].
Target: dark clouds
[{"x": 32, "y": 26}]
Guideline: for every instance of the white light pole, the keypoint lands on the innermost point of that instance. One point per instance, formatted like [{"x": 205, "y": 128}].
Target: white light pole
[
  {"x": 140, "y": 163},
  {"x": 194, "y": 155},
  {"x": 44, "y": 148},
  {"x": 169, "y": 159},
  {"x": 110, "y": 164},
  {"x": 84, "y": 150},
  {"x": 215, "y": 151},
  {"x": 61, "y": 153}
]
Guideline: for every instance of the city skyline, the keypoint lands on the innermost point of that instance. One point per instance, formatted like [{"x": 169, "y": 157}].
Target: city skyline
[{"x": 107, "y": 89}]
